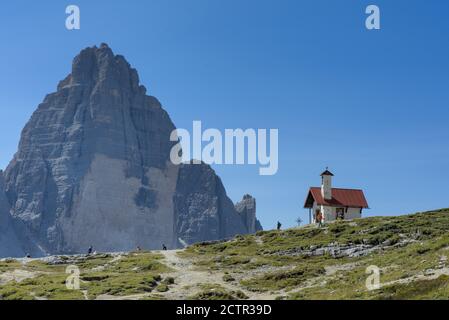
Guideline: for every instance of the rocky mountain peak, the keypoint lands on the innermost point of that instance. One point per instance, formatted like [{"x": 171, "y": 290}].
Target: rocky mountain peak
[
  {"x": 101, "y": 68},
  {"x": 246, "y": 208},
  {"x": 93, "y": 168}
]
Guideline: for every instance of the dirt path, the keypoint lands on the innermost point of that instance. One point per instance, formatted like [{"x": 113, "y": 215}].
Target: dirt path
[
  {"x": 17, "y": 276},
  {"x": 431, "y": 275},
  {"x": 107, "y": 297},
  {"x": 188, "y": 279}
]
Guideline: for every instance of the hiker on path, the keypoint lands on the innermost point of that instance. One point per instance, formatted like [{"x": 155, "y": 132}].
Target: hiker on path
[
  {"x": 279, "y": 226},
  {"x": 89, "y": 252},
  {"x": 319, "y": 219},
  {"x": 164, "y": 247}
]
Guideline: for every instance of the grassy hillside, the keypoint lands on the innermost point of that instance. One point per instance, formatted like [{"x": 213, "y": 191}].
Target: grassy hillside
[{"x": 304, "y": 263}]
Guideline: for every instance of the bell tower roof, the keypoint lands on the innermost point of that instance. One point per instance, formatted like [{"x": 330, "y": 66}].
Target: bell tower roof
[{"x": 327, "y": 173}]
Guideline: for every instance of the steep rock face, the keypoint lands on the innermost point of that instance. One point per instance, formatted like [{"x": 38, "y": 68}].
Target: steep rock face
[
  {"x": 93, "y": 168},
  {"x": 9, "y": 243},
  {"x": 247, "y": 211},
  {"x": 93, "y": 162},
  {"x": 203, "y": 210}
]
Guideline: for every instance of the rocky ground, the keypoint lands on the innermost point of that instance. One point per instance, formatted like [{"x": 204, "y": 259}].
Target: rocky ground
[{"x": 333, "y": 262}]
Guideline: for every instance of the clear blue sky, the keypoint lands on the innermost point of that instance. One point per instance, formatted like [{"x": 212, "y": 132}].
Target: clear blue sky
[{"x": 371, "y": 105}]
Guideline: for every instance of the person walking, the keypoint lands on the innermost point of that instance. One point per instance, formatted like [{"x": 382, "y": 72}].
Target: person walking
[{"x": 320, "y": 219}]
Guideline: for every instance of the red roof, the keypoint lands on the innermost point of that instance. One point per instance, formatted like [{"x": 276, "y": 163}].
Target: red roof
[{"x": 340, "y": 198}]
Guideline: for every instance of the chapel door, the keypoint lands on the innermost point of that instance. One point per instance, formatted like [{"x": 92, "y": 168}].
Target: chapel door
[{"x": 340, "y": 213}]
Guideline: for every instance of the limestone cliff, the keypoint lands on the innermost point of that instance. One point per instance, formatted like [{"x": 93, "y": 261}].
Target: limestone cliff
[
  {"x": 246, "y": 208},
  {"x": 203, "y": 210},
  {"x": 10, "y": 245}
]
